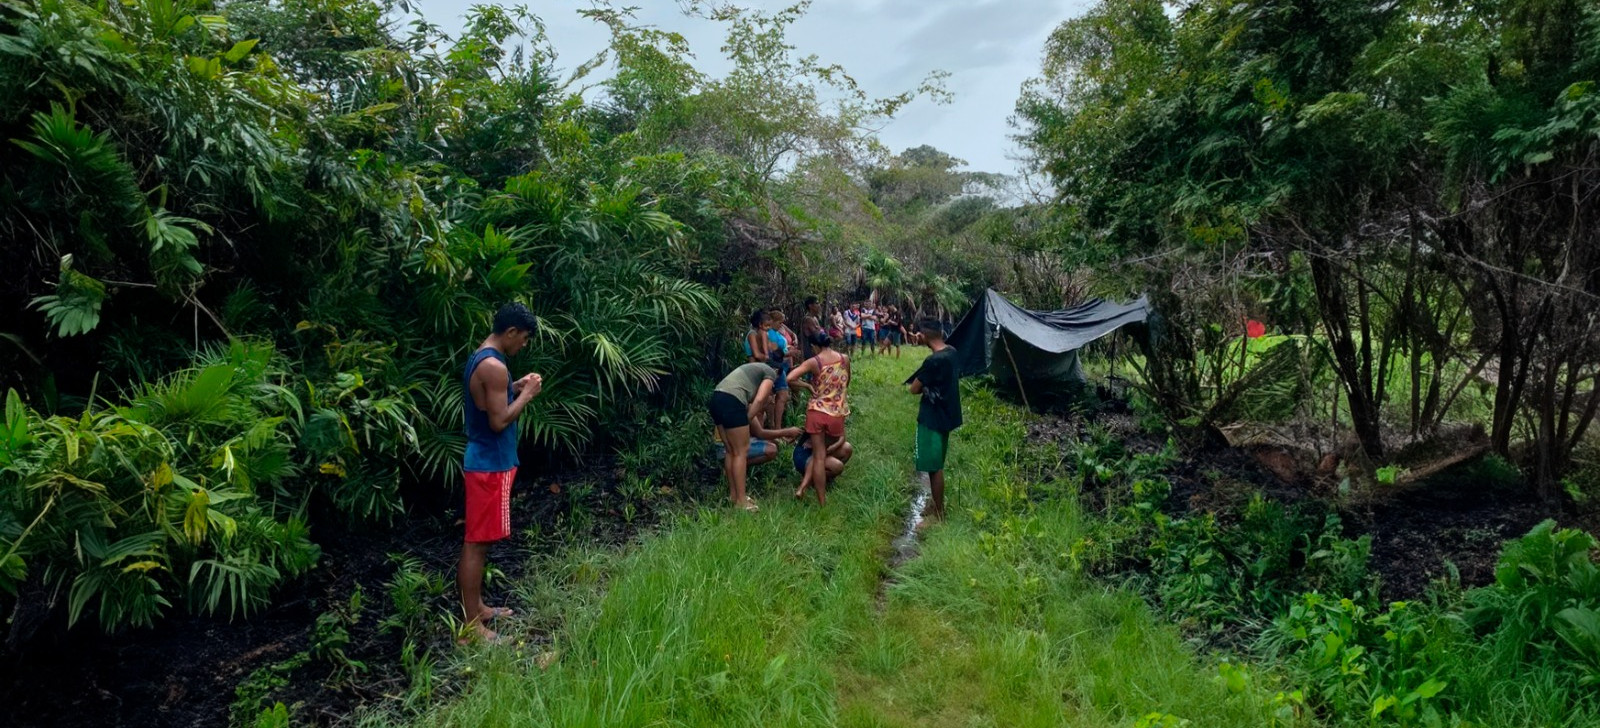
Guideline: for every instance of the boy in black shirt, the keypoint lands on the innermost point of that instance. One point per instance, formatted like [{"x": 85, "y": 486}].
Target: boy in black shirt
[{"x": 938, "y": 381}]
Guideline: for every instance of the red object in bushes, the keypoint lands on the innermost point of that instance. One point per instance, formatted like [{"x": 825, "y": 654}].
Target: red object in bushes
[{"x": 1254, "y": 329}]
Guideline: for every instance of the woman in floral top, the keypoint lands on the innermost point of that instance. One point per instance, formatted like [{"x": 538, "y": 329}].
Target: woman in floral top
[{"x": 830, "y": 377}]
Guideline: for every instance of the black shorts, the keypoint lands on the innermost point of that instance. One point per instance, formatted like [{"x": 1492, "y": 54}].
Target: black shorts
[{"x": 727, "y": 411}]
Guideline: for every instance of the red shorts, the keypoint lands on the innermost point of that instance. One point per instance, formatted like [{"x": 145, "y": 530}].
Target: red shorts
[
  {"x": 488, "y": 505},
  {"x": 824, "y": 423}
]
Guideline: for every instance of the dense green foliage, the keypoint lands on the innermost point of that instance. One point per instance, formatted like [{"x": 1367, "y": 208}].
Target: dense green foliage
[
  {"x": 1411, "y": 183},
  {"x": 250, "y": 244},
  {"x": 1405, "y": 192},
  {"x": 187, "y": 480},
  {"x": 1285, "y": 585}
]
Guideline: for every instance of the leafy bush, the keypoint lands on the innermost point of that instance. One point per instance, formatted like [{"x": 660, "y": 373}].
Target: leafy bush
[
  {"x": 1367, "y": 665},
  {"x": 252, "y": 693},
  {"x": 1546, "y": 599},
  {"x": 1513, "y": 653},
  {"x": 414, "y": 595},
  {"x": 182, "y": 494},
  {"x": 671, "y": 447},
  {"x": 1528, "y": 639},
  {"x": 370, "y": 233},
  {"x": 1220, "y": 570},
  {"x": 1225, "y": 575}
]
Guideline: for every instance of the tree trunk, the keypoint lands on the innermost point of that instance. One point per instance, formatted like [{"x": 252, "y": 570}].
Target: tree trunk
[{"x": 1334, "y": 307}]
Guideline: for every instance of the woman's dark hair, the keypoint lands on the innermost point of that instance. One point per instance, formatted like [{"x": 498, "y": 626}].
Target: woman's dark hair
[
  {"x": 810, "y": 300},
  {"x": 515, "y": 316},
  {"x": 756, "y": 317},
  {"x": 821, "y": 340}
]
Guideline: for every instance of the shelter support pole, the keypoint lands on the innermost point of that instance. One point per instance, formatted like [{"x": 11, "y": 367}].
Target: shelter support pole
[{"x": 1014, "y": 372}]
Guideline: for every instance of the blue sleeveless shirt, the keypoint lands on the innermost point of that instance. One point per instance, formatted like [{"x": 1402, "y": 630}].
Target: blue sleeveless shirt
[{"x": 487, "y": 451}]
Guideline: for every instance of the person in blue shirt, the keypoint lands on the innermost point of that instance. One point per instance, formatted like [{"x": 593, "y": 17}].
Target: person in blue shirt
[
  {"x": 781, "y": 344},
  {"x": 493, "y": 401},
  {"x": 755, "y": 339}
]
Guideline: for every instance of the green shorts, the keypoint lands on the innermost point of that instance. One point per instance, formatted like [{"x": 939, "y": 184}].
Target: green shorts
[{"x": 931, "y": 447}]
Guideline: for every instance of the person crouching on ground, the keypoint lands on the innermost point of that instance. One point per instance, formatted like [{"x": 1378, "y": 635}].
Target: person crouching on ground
[
  {"x": 839, "y": 453},
  {"x": 492, "y": 401},
  {"x": 736, "y": 406},
  {"x": 830, "y": 378},
  {"x": 938, "y": 381}
]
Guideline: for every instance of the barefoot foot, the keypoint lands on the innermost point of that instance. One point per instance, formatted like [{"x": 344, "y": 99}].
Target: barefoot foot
[
  {"x": 476, "y": 632},
  {"x": 492, "y": 613}
]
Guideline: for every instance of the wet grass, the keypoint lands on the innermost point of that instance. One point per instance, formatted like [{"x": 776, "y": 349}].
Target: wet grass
[{"x": 724, "y": 618}]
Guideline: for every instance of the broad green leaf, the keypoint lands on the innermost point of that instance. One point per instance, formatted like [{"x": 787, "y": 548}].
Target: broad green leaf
[
  {"x": 161, "y": 477},
  {"x": 240, "y": 50},
  {"x": 1579, "y": 627},
  {"x": 15, "y": 436},
  {"x": 194, "y": 516},
  {"x": 1430, "y": 688}
]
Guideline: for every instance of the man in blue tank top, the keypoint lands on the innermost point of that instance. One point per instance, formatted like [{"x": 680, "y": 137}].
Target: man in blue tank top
[{"x": 493, "y": 401}]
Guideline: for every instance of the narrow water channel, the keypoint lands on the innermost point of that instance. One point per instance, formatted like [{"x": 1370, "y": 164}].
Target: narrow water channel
[{"x": 905, "y": 546}]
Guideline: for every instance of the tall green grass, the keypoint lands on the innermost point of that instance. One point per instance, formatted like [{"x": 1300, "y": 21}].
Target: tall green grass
[{"x": 724, "y": 618}]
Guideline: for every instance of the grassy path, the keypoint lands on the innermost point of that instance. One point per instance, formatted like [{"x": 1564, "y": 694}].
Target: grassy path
[{"x": 773, "y": 619}]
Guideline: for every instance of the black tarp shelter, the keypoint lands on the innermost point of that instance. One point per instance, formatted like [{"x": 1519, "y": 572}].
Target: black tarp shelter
[{"x": 1001, "y": 338}]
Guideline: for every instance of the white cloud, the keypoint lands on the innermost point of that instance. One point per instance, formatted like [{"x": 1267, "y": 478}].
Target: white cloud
[{"x": 989, "y": 47}]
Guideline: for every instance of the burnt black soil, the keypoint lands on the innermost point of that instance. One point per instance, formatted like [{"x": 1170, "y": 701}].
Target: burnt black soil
[
  {"x": 185, "y": 671},
  {"x": 1456, "y": 519},
  {"x": 1459, "y": 518}
]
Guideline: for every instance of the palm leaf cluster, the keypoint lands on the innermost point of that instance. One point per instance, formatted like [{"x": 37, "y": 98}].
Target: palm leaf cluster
[
  {"x": 252, "y": 243},
  {"x": 251, "y": 255},
  {"x": 183, "y": 495}
]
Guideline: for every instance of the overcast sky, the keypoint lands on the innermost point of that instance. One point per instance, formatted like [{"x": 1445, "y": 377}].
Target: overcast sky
[{"x": 989, "y": 46}]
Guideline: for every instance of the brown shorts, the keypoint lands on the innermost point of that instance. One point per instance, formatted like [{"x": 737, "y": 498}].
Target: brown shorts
[
  {"x": 830, "y": 425},
  {"x": 488, "y": 505}
]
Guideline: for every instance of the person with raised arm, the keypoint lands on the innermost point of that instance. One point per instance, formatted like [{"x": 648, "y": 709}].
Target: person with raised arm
[
  {"x": 830, "y": 378},
  {"x": 492, "y": 402},
  {"x": 893, "y": 331}
]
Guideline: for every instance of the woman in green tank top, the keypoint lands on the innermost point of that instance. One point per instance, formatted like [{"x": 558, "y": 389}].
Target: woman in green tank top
[{"x": 736, "y": 405}]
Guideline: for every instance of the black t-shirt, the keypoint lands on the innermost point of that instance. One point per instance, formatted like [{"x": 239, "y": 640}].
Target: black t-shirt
[{"x": 941, "y": 391}]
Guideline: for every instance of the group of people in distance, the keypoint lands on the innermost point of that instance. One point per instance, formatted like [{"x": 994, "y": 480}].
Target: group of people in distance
[
  {"x": 749, "y": 404},
  {"x": 747, "y": 407},
  {"x": 864, "y": 326}
]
